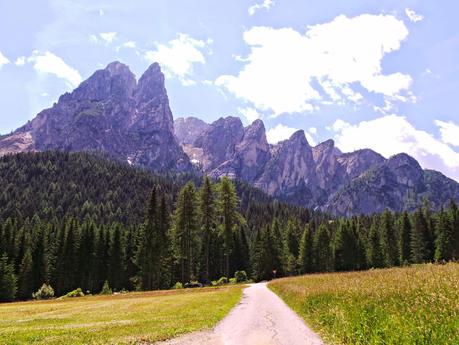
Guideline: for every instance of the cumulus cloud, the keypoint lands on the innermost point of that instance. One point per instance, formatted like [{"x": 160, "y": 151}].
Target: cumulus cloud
[
  {"x": 108, "y": 37},
  {"x": 266, "y": 4},
  {"x": 449, "y": 132},
  {"x": 20, "y": 61},
  {"x": 413, "y": 16},
  {"x": 282, "y": 132},
  {"x": 287, "y": 71},
  {"x": 178, "y": 56},
  {"x": 49, "y": 63},
  {"x": 250, "y": 114},
  {"x": 3, "y": 60},
  {"x": 393, "y": 134}
]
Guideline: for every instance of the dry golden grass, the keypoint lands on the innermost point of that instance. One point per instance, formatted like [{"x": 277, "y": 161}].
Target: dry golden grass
[
  {"x": 412, "y": 305},
  {"x": 119, "y": 319}
]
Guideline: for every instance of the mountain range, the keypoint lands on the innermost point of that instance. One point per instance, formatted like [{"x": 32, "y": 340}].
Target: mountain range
[{"x": 131, "y": 120}]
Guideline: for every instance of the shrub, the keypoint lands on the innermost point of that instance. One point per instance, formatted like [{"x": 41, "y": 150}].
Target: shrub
[
  {"x": 178, "y": 285},
  {"x": 45, "y": 292},
  {"x": 222, "y": 281},
  {"x": 232, "y": 281},
  {"x": 240, "y": 276},
  {"x": 106, "y": 289},
  {"x": 75, "y": 293}
]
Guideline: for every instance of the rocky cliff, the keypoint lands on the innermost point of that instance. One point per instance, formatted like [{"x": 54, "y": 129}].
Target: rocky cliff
[{"x": 108, "y": 112}]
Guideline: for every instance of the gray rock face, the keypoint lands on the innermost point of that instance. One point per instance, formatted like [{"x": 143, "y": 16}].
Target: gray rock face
[
  {"x": 188, "y": 129},
  {"x": 318, "y": 177},
  {"x": 109, "y": 112},
  {"x": 218, "y": 142}
]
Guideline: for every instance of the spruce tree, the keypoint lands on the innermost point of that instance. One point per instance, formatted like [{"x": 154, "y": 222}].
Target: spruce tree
[
  {"x": 387, "y": 240},
  {"x": 404, "y": 235},
  {"x": 305, "y": 259},
  {"x": 185, "y": 230},
  {"x": 25, "y": 289},
  {"x": 207, "y": 213},
  {"x": 8, "y": 280},
  {"x": 116, "y": 258},
  {"x": 374, "y": 256},
  {"x": 323, "y": 261},
  {"x": 345, "y": 248},
  {"x": 419, "y": 242},
  {"x": 444, "y": 239},
  {"x": 453, "y": 217},
  {"x": 229, "y": 216}
]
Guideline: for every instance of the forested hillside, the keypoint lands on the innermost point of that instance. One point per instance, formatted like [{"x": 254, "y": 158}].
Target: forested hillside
[{"x": 78, "y": 220}]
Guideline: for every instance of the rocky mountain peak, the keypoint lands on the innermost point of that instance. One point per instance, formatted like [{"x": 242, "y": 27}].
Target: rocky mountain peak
[
  {"x": 188, "y": 129},
  {"x": 406, "y": 169},
  {"x": 299, "y": 138}
]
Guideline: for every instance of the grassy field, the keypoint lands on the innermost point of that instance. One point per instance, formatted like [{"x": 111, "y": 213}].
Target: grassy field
[
  {"x": 413, "y": 305},
  {"x": 119, "y": 319}
]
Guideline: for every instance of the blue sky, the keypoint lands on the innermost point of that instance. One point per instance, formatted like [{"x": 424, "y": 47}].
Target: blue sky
[{"x": 378, "y": 74}]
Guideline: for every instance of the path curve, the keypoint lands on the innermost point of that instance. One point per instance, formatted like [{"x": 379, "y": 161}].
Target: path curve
[{"x": 260, "y": 318}]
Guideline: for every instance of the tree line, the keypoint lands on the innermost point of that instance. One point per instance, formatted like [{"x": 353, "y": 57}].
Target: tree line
[{"x": 179, "y": 228}]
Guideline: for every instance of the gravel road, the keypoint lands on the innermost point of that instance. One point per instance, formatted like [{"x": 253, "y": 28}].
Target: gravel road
[{"x": 261, "y": 318}]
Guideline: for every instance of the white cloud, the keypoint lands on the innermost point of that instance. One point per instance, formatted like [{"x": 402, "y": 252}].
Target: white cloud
[
  {"x": 449, "y": 132},
  {"x": 20, "y": 61},
  {"x": 413, "y": 16},
  {"x": 101, "y": 12},
  {"x": 284, "y": 66},
  {"x": 93, "y": 39},
  {"x": 250, "y": 114},
  {"x": 3, "y": 60},
  {"x": 49, "y": 63},
  {"x": 108, "y": 37},
  {"x": 129, "y": 44},
  {"x": 282, "y": 132},
  {"x": 312, "y": 130},
  {"x": 393, "y": 134},
  {"x": 266, "y": 4},
  {"x": 178, "y": 56}
]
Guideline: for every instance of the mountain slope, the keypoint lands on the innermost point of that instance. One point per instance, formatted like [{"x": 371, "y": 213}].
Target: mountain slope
[{"x": 112, "y": 113}]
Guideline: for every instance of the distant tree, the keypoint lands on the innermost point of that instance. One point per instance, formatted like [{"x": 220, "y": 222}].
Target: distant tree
[
  {"x": 229, "y": 217},
  {"x": 444, "y": 245},
  {"x": 404, "y": 235},
  {"x": 453, "y": 217},
  {"x": 185, "y": 230},
  {"x": 387, "y": 240},
  {"x": 419, "y": 244},
  {"x": 323, "y": 260},
  {"x": 305, "y": 259},
  {"x": 345, "y": 248},
  {"x": 116, "y": 258},
  {"x": 26, "y": 276},
  {"x": 207, "y": 214},
  {"x": 8, "y": 280},
  {"x": 374, "y": 255}
]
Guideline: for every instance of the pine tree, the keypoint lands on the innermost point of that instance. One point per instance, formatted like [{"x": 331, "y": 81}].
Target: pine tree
[
  {"x": 116, "y": 258},
  {"x": 345, "y": 248},
  {"x": 185, "y": 231},
  {"x": 404, "y": 235},
  {"x": 323, "y": 261},
  {"x": 374, "y": 256},
  {"x": 229, "y": 217},
  {"x": 305, "y": 259},
  {"x": 26, "y": 276},
  {"x": 419, "y": 242},
  {"x": 444, "y": 239},
  {"x": 8, "y": 280},
  {"x": 207, "y": 213},
  {"x": 164, "y": 245},
  {"x": 387, "y": 240},
  {"x": 453, "y": 217}
]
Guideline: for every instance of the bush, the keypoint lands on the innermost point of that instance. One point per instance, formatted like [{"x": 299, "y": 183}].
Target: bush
[
  {"x": 222, "y": 281},
  {"x": 45, "y": 292},
  {"x": 178, "y": 285},
  {"x": 75, "y": 293},
  {"x": 240, "y": 276},
  {"x": 232, "y": 281},
  {"x": 106, "y": 289}
]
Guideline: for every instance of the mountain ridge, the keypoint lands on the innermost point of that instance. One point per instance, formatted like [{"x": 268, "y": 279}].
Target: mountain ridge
[{"x": 132, "y": 121}]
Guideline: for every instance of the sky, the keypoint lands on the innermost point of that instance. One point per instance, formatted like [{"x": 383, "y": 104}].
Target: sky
[{"x": 369, "y": 74}]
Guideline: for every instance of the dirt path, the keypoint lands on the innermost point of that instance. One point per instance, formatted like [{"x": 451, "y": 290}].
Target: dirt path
[{"x": 261, "y": 318}]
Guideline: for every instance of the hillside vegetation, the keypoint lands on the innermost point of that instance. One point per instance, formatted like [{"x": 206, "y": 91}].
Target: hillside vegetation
[
  {"x": 412, "y": 305},
  {"x": 139, "y": 318}
]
